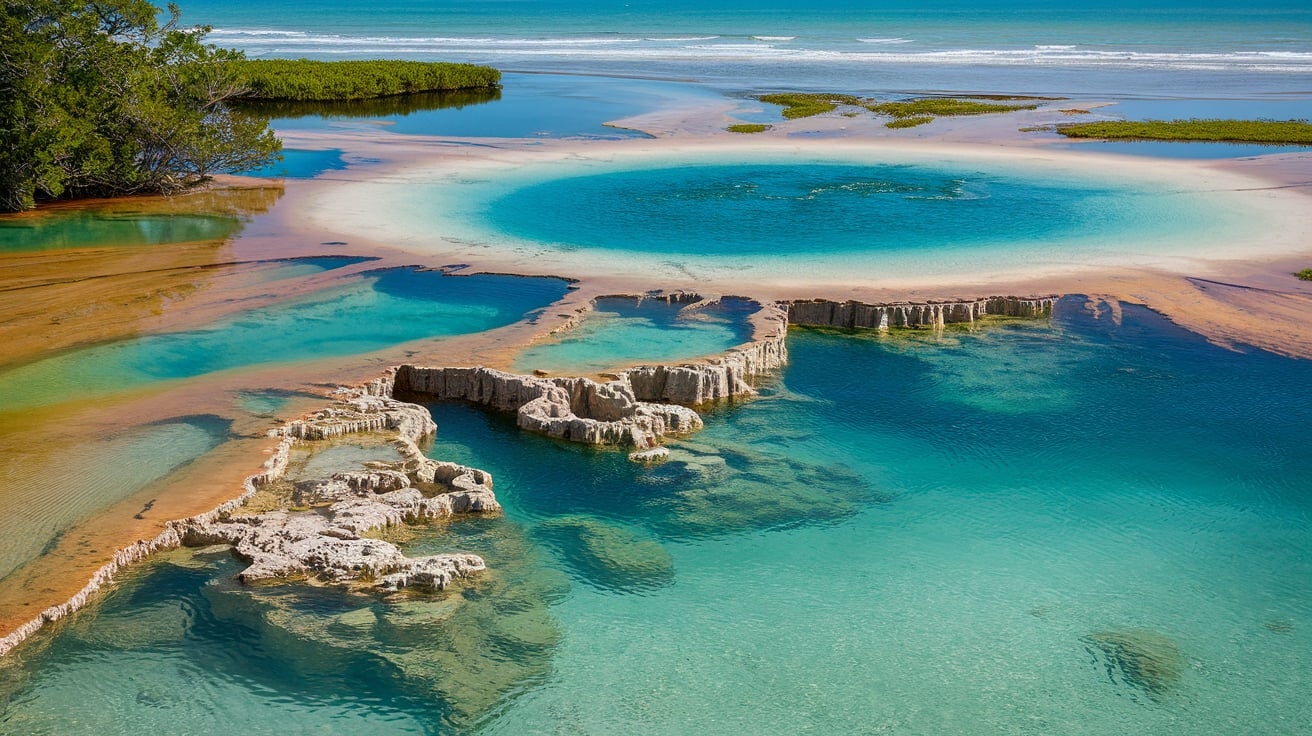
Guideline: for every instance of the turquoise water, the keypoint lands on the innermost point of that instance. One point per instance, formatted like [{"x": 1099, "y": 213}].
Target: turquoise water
[
  {"x": 83, "y": 228},
  {"x": 1169, "y": 47},
  {"x": 902, "y": 217},
  {"x": 622, "y": 332},
  {"x": 291, "y": 268},
  {"x": 369, "y": 313},
  {"x": 977, "y": 533}
]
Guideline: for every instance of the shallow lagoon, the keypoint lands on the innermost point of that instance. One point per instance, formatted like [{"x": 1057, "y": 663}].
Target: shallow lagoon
[
  {"x": 871, "y": 212},
  {"x": 93, "y": 228},
  {"x": 621, "y": 332},
  {"x": 364, "y": 314},
  {"x": 527, "y": 106},
  {"x": 929, "y": 541}
]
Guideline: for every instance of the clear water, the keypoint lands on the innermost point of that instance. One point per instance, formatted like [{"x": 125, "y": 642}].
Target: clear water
[
  {"x": 623, "y": 332},
  {"x": 369, "y": 313},
  {"x": 92, "y": 228},
  {"x": 1170, "y": 47},
  {"x": 930, "y": 540},
  {"x": 106, "y": 469},
  {"x": 292, "y": 268},
  {"x": 527, "y": 106},
  {"x": 888, "y": 214},
  {"x": 299, "y": 163}
]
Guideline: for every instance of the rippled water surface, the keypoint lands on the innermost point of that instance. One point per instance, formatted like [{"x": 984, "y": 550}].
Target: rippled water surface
[{"x": 1075, "y": 527}]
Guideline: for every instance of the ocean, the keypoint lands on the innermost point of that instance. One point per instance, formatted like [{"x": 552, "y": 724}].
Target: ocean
[{"x": 1174, "y": 48}]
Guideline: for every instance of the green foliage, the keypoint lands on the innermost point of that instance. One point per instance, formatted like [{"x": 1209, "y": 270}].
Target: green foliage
[
  {"x": 941, "y": 107},
  {"x": 303, "y": 79},
  {"x": 905, "y": 113},
  {"x": 99, "y": 99},
  {"x": 908, "y": 122},
  {"x": 806, "y": 104},
  {"x": 1305, "y": 274},
  {"x": 748, "y": 128},
  {"x": 1244, "y": 131}
]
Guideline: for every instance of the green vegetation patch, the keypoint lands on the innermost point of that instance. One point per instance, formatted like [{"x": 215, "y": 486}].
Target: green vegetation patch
[
  {"x": 303, "y": 79},
  {"x": 805, "y": 104},
  {"x": 908, "y": 122},
  {"x": 1195, "y": 129},
  {"x": 100, "y": 99},
  {"x": 748, "y": 128},
  {"x": 1305, "y": 274},
  {"x": 941, "y": 107}
]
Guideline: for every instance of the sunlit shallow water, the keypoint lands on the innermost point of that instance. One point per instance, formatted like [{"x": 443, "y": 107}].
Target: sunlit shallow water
[
  {"x": 621, "y": 332},
  {"x": 375, "y": 311},
  {"x": 90, "y": 227},
  {"x": 870, "y": 213},
  {"x": 1076, "y": 527}
]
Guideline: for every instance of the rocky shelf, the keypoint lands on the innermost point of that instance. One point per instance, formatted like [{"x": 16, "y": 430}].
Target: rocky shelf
[{"x": 637, "y": 409}]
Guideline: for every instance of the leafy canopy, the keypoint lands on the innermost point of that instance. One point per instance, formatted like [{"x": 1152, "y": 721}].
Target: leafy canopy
[{"x": 98, "y": 98}]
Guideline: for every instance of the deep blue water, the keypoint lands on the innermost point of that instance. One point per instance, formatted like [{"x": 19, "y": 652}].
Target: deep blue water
[{"x": 915, "y": 533}]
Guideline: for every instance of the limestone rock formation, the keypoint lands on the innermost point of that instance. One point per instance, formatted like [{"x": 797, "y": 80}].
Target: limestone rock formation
[
  {"x": 328, "y": 542},
  {"x": 848, "y": 315},
  {"x": 575, "y": 409},
  {"x": 331, "y": 545}
]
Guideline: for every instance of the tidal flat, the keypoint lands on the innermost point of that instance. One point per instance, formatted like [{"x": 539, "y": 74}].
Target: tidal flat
[{"x": 1092, "y": 520}]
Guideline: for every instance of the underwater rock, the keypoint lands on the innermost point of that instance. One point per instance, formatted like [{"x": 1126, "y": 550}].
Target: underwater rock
[
  {"x": 285, "y": 543},
  {"x": 1143, "y": 658},
  {"x": 609, "y": 555},
  {"x": 651, "y": 456},
  {"x": 463, "y": 652}
]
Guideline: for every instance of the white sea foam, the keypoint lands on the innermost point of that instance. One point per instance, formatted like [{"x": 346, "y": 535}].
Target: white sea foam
[{"x": 760, "y": 48}]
